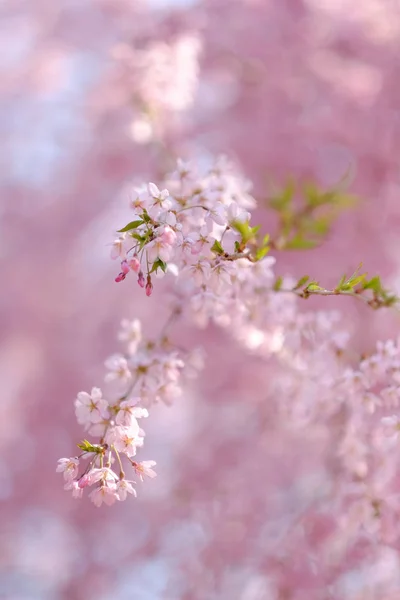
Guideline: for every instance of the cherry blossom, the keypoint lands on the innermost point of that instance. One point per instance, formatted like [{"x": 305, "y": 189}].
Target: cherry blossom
[{"x": 91, "y": 408}]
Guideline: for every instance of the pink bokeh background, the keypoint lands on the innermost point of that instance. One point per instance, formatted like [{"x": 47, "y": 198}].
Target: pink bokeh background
[{"x": 296, "y": 88}]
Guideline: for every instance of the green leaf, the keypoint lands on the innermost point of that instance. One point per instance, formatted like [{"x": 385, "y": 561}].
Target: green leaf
[
  {"x": 373, "y": 284},
  {"x": 266, "y": 239},
  {"x": 217, "y": 248},
  {"x": 283, "y": 200},
  {"x": 356, "y": 280},
  {"x": 261, "y": 252},
  {"x": 131, "y": 225},
  {"x": 312, "y": 194},
  {"x": 248, "y": 233},
  {"x": 298, "y": 242},
  {"x": 159, "y": 264},
  {"x": 145, "y": 216},
  {"x": 313, "y": 287},
  {"x": 301, "y": 282},
  {"x": 278, "y": 284},
  {"x": 86, "y": 446}
]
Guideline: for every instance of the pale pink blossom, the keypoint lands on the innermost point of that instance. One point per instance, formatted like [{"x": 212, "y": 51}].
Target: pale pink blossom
[
  {"x": 236, "y": 214},
  {"x": 104, "y": 493},
  {"x": 91, "y": 408},
  {"x": 124, "y": 488},
  {"x": 129, "y": 411},
  {"x": 131, "y": 333},
  {"x": 118, "y": 370},
  {"x": 77, "y": 491},
  {"x": 168, "y": 392},
  {"x": 161, "y": 201},
  {"x": 391, "y": 427},
  {"x": 221, "y": 275},
  {"x": 118, "y": 249},
  {"x": 159, "y": 248},
  {"x": 125, "y": 439},
  {"x": 199, "y": 272},
  {"x": 391, "y": 396},
  {"x": 103, "y": 474},
  {"x": 145, "y": 468},
  {"x": 69, "y": 467},
  {"x": 168, "y": 235},
  {"x": 140, "y": 198},
  {"x": 200, "y": 242}
]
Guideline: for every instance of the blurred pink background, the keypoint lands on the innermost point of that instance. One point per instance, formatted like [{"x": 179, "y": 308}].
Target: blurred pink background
[{"x": 98, "y": 94}]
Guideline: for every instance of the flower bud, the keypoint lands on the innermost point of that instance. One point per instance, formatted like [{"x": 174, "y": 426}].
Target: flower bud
[
  {"x": 134, "y": 264},
  {"x": 141, "y": 279},
  {"x": 149, "y": 286},
  {"x": 124, "y": 267}
]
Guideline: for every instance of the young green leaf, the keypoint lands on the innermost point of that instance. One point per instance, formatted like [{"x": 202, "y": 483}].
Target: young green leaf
[
  {"x": 262, "y": 252},
  {"x": 159, "y": 264},
  {"x": 301, "y": 282},
  {"x": 86, "y": 446},
  {"x": 130, "y": 226},
  {"x": 217, "y": 248}
]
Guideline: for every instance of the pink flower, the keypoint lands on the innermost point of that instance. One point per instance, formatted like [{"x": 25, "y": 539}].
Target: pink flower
[
  {"x": 85, "y": 480},
  {"x": 391, "y": 427},
  {"x": 77, "y": 491},
  {"x": 161, "y": 201},
  {"x": 200, "y": 242},
  {"x": 68, "y": 466},
  {"x": 235, "y": 213},
  {"x": 144, "y": 468},
  {"x": 221, "y": 275},
  {"x": 118, "y": 369},
  {"x": 159, "y": 195},
  {"x": 131, "y": 332},
  {"x": 125, "y": 439},
  {"x": 104, "y": 493},
  {"x": 161, "y": 247},
  {"x": 124, "y": 488},
  {"x": 91, "y": 408},
  {"x": 199, "y": 272},
  {"x": 103, "y": 474},
  {"x": 118, "y": 247},
  {"x": 391, "y": 396},
  {"x": 141, "y": 280},
  {"x": 168, "y": 236},
  {"x": 130, "y": 411}
]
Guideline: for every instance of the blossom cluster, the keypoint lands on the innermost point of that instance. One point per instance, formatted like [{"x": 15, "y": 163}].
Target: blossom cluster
[
  {"x": 196, "y": 227},
  {"x": 147, "y": 372},
  {"x": 192, "y": 227},
  {"x": 164, "y": 77}
]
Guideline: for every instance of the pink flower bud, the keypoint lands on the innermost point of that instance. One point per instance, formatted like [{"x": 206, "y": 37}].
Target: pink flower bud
[
  {"x": 168, "y": 236},
  {"x": 149, "y": 286},
  {"x": 134, "y": 264},
  {"x": 124, "y": 267},
  {"x": 120, "y": 277},
  {"x": 141, "y": 279},
  {"x": 84, "y": 480}
]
